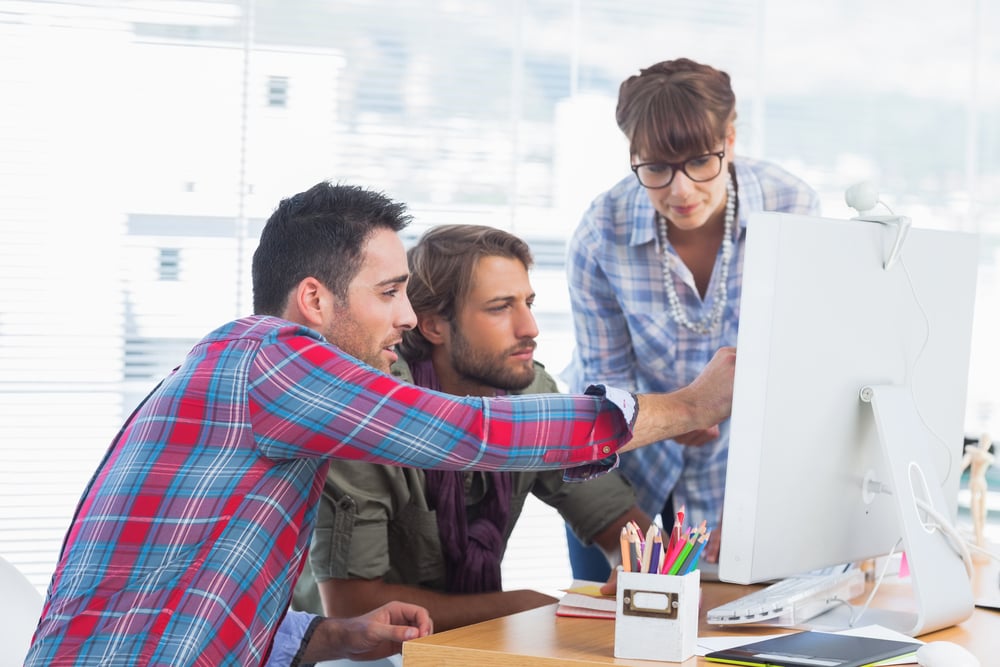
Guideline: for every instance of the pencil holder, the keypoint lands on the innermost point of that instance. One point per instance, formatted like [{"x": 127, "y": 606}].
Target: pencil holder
[{"x": 656, "y": 617}]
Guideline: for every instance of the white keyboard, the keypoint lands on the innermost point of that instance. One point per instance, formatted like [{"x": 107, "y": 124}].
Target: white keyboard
[{"x": 791, "y": 601}]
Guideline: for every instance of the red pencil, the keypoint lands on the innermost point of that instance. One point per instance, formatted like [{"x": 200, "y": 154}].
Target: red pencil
[{"x": 675, "y": 533}]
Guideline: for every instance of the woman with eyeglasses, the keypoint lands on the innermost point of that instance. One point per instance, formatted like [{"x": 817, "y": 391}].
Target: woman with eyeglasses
[{"x": 655, "y": 269}]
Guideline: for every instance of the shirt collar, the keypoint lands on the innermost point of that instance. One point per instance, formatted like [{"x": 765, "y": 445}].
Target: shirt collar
[{"x": 643, "y": 215}]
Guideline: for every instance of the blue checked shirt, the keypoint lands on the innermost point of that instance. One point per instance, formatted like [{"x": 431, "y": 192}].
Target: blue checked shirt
[{"x": 626, "y": 337}]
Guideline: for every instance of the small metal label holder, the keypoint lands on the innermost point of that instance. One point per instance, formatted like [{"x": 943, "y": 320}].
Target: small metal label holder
[{"x": 649, "y": 603}]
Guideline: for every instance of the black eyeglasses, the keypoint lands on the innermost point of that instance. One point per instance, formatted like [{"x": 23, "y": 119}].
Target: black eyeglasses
[{"x": 700, "y": 168}]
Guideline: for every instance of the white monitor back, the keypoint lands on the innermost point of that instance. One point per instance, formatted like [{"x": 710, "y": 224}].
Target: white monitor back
[{"x": 820, "y": 319}]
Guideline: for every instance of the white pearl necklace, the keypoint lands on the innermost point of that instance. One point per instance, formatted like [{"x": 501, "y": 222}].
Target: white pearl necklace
[{"x": 711, "y": 321}]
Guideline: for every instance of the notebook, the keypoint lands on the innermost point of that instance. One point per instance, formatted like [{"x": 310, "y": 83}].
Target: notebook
[
  {"x": 584, "y": 600},
  {"x": 809, "y": 649}
]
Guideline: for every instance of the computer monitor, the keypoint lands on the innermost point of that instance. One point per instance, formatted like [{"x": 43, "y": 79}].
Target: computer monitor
[{"x": 849, "y": 404}]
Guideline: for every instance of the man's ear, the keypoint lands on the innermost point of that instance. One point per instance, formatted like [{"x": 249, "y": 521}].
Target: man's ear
[
  {"x": 305, "y": 304},
  {"x": 435, "y": 328}
]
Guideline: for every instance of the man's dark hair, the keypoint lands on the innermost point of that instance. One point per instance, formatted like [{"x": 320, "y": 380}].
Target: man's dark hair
[
  {"x": 441, "y": 266},
  {"x": 320, "y": 233}
]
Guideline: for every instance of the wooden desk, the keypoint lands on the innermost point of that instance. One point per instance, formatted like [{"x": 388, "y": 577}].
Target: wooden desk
[{"x": 539, "y": 638}]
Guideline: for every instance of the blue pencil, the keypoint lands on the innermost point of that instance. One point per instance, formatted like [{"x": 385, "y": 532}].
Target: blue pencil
[{"x": 692, "y": 560}]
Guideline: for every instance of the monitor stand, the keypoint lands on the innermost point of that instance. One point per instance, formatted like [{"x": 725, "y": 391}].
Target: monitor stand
[{"x": 941, "y": 586}]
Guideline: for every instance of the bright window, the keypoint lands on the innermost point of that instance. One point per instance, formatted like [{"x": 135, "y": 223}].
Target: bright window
[{"x": 143, "y": 144}]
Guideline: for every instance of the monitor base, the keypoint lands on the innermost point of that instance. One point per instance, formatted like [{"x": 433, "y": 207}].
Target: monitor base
[{"x": 942, "y": 589}]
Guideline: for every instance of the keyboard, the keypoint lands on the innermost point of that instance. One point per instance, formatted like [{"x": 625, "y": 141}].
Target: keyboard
[{"x": 792, "y": 601}]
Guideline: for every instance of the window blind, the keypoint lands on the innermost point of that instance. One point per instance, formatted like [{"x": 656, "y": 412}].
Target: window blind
[{"x": 143, "y": 144}]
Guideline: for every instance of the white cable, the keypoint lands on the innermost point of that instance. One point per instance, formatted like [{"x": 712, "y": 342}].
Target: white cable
[
  {"x": 911, "y": 380},
  {"x": 958, "y": 543},
  {"x": 878, "y": 582},
  {"x": 956, "y": 540}
]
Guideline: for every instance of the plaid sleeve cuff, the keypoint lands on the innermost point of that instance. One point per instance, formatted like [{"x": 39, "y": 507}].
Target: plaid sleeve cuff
[
  {"x": 626, "y": 403},
  {"x": 291, "y": 638}
]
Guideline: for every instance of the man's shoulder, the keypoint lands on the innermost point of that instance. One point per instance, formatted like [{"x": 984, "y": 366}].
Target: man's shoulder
[
  {"x": 401, "y": 369},
  {"x": 236, "y": 344},
  {"x": 372, "y": 493},
  {"x": 543, "y": 383},
  {"x": 375, "y": 479},
  {"x": 262, "y": 328}
]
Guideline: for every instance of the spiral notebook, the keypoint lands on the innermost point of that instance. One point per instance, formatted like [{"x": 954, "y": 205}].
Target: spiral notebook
[{"x": 810, "y": 648}]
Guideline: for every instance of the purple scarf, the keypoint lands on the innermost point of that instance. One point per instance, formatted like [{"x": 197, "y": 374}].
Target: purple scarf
[{"x": 472, "y": 550}]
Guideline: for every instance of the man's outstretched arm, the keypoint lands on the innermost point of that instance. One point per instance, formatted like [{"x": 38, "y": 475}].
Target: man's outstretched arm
[{"x": 704, "y": 403}]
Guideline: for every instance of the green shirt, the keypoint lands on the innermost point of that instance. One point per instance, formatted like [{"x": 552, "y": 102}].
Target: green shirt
[{"x": 374, "y": 522}]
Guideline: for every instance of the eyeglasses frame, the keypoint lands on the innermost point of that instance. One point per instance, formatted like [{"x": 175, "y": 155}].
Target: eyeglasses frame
[{"x": 679, "y": 167}]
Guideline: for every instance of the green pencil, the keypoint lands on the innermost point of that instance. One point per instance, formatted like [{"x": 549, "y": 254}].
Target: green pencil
[{"x": 682, "y": 556}]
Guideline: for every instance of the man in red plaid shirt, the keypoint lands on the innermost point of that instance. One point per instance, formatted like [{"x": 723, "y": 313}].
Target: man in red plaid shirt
[{"x": 189, "y": 537}]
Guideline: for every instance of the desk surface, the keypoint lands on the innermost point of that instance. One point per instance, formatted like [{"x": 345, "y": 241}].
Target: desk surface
[{"x": 539, "y": 638}]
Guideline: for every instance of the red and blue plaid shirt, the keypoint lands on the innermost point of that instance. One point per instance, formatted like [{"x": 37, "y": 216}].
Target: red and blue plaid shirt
[{"x": 189, "y": 537}]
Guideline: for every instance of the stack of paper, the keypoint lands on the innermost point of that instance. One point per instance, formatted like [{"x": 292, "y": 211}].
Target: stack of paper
[{"x": 583, "y": 599}]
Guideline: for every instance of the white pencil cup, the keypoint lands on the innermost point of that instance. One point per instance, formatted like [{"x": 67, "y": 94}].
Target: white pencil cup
[{"x": 656, "y": 617}]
